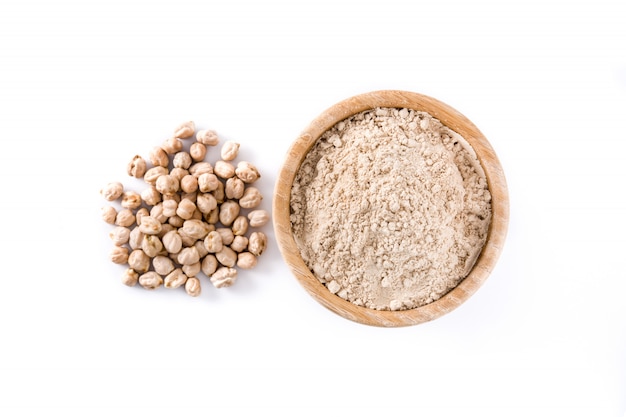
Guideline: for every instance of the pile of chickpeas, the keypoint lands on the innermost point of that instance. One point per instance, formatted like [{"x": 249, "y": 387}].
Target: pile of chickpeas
[{"x": 193, "y": 216}]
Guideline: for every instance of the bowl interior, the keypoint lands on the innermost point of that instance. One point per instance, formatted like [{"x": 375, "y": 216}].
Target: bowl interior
[{"x": 450, "y": 118}]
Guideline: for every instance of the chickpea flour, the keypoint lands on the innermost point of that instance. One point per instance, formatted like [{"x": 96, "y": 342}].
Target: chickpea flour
[{"x": 390, "y": 209}]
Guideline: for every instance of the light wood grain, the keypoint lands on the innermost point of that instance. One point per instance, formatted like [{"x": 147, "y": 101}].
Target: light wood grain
[{"x": 449, "y": 117}]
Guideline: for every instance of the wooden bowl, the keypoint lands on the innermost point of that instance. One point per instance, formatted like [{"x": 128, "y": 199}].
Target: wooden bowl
[{"x": 450, "y": 118}]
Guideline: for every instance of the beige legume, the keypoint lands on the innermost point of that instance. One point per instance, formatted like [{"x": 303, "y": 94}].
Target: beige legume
[
  {"x": 258, "y": 218},
  {"x": 240, "y": 226},
  {"x": 240, "y": 244},
  {"x": 150, "y": 280},
  {"x": 182, "y": 160},
  {"x": 139, "y": 261},
  {"x": 120, "y": 235},
  {"x": 151, "y": 245},
  {"x": 130, "y": 277},
  {"x": 246, "y": 260},
  {"x": 200, "y": 168},
  {"x": 227, "y": 256},
  {"x": 189, "y": 184},
  {"x": 224, "y": 277},
  {"x": 229, "y": 150},
  {"x": 185, "y": 209},
  {"x": 175, "y": 279},
  {"x": 257, "y": 242},
  {"x": 154, "y": 173},
  {"x": 136, "y": 167},
  {"x": 109, "y": 214},
  {"x": 209, "y": 265},
  {"x": 192, "y": 286},
  {"x": 151, "y": 196},
  {"x": 207, "y": 137},
  {"x": 185, "y": 130},
  {"x": 234, "y": 188},
  {"x": 213, "y": 242},
  {"x": 159, "y": 157},
  {"x": 150, "y": 225},
  {"x": 197, "y": 151},
  {"x": 192, "y": 270},
  {"x": 112, "y": 191},
  {"x": 224, "y": 169},
  {"x": 119, "y": 255},
  {"x": 247, "y": 172},
  {"x": 162, "y": 265},
  {"x": 131, "y": 200},
  {"x": 229, "y": 210},
  {"x": 125, "y": 217},
  {"x": 188, "y": 256},
  {"x": 251, "y": 198},
  {"x": 172, "y": 242},
  {"x": 227, "y": 235}
]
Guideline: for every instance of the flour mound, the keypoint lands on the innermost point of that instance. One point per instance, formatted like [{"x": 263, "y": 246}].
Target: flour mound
[{"x": 390, "y": 209}]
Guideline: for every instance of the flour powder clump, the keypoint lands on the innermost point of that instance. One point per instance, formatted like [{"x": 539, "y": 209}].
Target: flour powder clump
[{"x": 390, "y": 209}]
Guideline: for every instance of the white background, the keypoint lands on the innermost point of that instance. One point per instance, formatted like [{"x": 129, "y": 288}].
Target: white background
[{"x": 85, "y": 85}]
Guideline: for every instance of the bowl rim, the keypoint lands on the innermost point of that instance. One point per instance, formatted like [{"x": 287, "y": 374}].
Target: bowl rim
[{"x": 452, "y": 119}]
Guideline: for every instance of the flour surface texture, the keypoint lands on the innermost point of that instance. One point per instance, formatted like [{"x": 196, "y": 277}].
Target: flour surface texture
[{"x": 390, "y": 209}]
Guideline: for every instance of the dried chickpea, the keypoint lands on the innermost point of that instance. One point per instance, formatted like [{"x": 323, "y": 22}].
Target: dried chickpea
[
  {"x": 182, "y": 160},
  {"x": 246, "y": 260},
  {"x": 159, "y": 157},
  {"x": 139, "y": 261},
  {"x": 165, "y": 228},
  {"x": 185, "y": 130},
  {"x": 240, "y": 226},
  {"x": 136, "y": 167},
  {"x": 200, "y": 168},
  {"x": 227, "y": 256},
  {"x": 130, "y": 277},
  {"x": 227, "y": 235},
  {"x": 109, "y": 214},
  {"x": 188, "y": 256},
  {"x": 150, "y": 225},
  {"x": 154, "y": 173},
  {"x": 169, "y": 208},
  {"x": 189, "y": 196},
  {"x": 192, "y": 270},
  {"x": 196, "y": 229},
  {"x": 197, "y": 151},
  {"x": 219, "y": 193},
  {"x": 175, "y": 197},
  {"x": 192, "y": 286},
  {"x": 257, "y": 242},
  {"x": 213, "y": 242},
  {"x": 199, "y": 245},
  {"x": 151, "y": 245},
  {"x": 240, "y": 244},
  {"x": 208, "y": 182},
  {"x": 179, "y": 173},
  {"x": 206, "y": 203},
  {"x": 167, "y": 184},
  {"x": 131, "y": 200},
  {"x": 151, "y": 196},
  {"x": 112, "y": 191},
  {"x": 162, "y": 265},
  {"x": 224, "y": 277},
  {"x": 125, "y": 217},
  {"x": 120, "y": 235},
  {"x": 229, "y": 150},
  {"x": 172, "y": 242},
  {"x": 197, "y": 214},
  {"x": 150, "y": 280},
  {"x": 172, "y": 145},
  {"x": 209, "y": 265},
  {"x": 207, "y": 137},
  {"x": 234, "y": 188},
  {"x": 141, "y": 213},
  {"x": 175, "y": 279},
  {"x": 213, "y": 216},
  {"x": 224, "y": 169},
  {"x": 247, "y": 172},
  {"x": 258, "y": 218},
  {"x": 119, "y": 255},
  {"x": 189, "y": 184},
  {"x": 251, "y": 198},
  {"x": 135, "y": 238},
  {"x": 176, "y": 221},
  {"x": 188, "y": 241},
  {"x": 229, "y": 210},
  {"x": 185, "y": 209}
]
